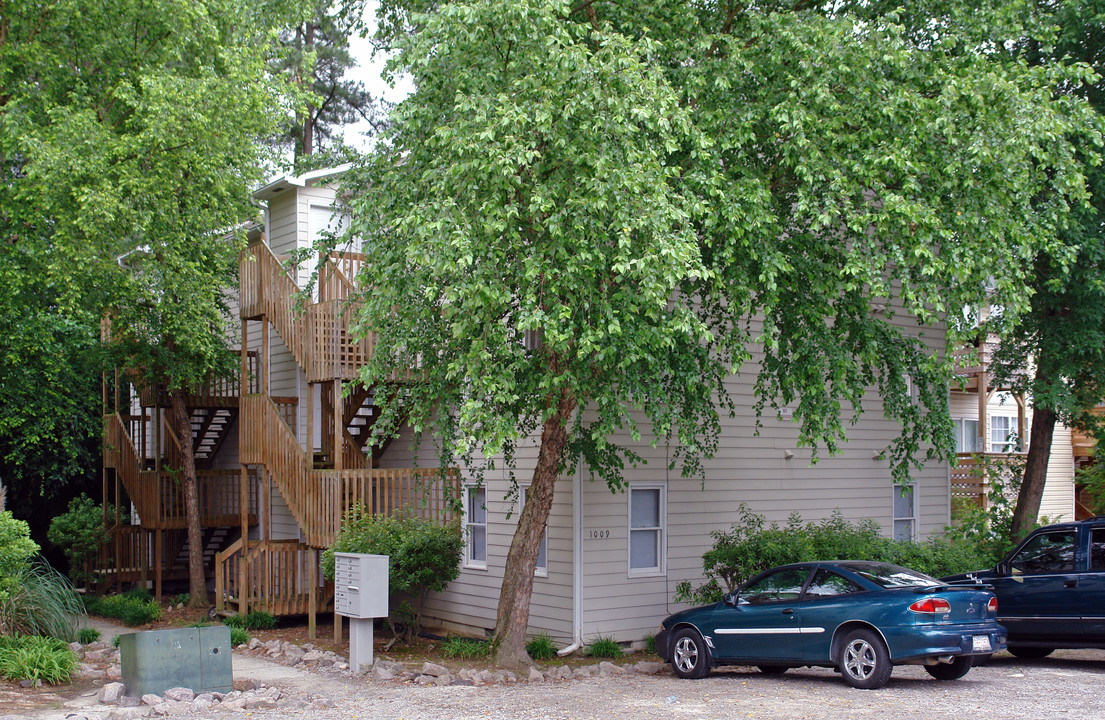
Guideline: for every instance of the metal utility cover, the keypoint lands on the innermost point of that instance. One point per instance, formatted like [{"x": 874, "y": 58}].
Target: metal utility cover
[{"x": 195, "y": 658}]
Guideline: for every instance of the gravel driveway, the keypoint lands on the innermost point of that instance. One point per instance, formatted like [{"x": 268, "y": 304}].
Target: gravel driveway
[{"x": 1068, "y": 685}]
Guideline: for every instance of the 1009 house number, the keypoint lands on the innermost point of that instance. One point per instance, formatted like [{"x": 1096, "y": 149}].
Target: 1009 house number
[{"x": 598, "y": 534}]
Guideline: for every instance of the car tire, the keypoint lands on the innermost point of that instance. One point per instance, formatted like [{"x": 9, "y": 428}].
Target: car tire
[
  {"x": 954, "y": 670},
  {"x": 689, "y": 656},
  {"x": 1029, "y": 652},
  {"x": 864, "y": 661},
  {"x": 773, "y": 669}
]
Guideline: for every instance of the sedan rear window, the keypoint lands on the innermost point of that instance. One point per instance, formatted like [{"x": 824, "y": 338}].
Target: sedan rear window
[{"x": 888, "y": 576}]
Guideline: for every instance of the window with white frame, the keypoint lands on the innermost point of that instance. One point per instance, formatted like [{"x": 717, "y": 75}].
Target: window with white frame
[
  {"x": 542, "y": 569},
  {"x": 904, "y": 512},
  {"x": 1003, "y": 434},
  {"x": 475, "y": 527},
  {"x": 647, "y": 514},
  {"x": 966, "y": 435}
]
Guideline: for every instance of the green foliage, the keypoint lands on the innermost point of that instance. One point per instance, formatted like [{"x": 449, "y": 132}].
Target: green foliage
[
  {"x": 181, "y": 599},
  {"x": 80, "y": 533},
  {"x": 541, "y": 647},
  {"x": 87, "y": 635},
  {"x": 131, "y": 608},
  {"x": 42, "y": 602},
  {"x": 424, "y": 556},
  {"x": 235, "y": 621},
  {"x": 116, "y": 640},
  {"x": 1092, "y": 478},
  {"x": 611, "y": 205},
  {"x": 465, "y": 648},
  {"x": 36, "y": 658},
  {"x": 604, "y": 647},
  {"x": 16, "y": 550},
  {"x": 752, "y": 546},
  {"x": 650, "y": 644},
  {"x": 989, "y": 530},
  {"x": 259, "y": 620},
  {"x": 238, "y": 636}
]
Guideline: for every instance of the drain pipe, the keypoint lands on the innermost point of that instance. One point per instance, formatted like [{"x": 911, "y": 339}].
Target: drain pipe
[{"x": 577, "y": 563}]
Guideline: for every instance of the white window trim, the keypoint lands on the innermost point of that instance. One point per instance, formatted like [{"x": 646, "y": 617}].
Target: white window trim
[
  {"x": 663, "y": 528},
  {"x": 469, "y": 563},
  {"x": 538, "y": 571},
  {"x": 1005, "y": 446},
  {"x": 912, "y": 518},
  {"x": 961, "y": 437}
]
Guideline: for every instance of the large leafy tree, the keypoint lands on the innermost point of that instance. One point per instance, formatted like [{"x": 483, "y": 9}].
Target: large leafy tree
[
  {"x": 130, "y": 134},
  {"x": 587, "y": 215}
]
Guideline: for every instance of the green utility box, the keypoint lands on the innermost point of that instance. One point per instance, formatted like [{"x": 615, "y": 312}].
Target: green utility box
[{"x": 195, "y": 658}]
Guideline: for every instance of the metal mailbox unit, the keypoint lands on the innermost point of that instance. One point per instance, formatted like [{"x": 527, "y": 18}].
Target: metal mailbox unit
[
  {"x": 197, "y": 658},
  {"x": 360, "y": 594}
]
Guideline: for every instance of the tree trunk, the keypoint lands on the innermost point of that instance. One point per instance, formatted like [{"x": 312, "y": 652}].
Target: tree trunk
[
  {"x": 1035, "y": 472},
  {"x": 512, "y": 619},
  {"x": 197, "y": 582}
]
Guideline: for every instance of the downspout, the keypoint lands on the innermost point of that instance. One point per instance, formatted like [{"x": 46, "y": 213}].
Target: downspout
[{"x": 577, "y": 564}]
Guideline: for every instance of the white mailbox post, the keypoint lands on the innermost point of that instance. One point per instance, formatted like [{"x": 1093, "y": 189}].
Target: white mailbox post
[{"x": 360, "y": 594}]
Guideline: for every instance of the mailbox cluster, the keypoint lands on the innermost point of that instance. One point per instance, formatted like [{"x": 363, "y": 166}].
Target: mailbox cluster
[{"x": 361, "y": 594}]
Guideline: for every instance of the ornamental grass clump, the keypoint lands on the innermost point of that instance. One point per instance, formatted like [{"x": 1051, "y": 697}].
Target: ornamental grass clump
[
  {"x": 36, "y": 658},
  {"x": 541, "y": 647}
]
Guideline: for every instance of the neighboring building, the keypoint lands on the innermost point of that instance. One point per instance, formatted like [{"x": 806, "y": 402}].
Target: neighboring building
[{"x": 282, "y": 461}]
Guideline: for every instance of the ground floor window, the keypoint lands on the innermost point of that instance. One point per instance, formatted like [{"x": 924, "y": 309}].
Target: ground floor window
[
  {"x": 905, "y": 513},
  {"x": 475, "y": 527},
  {"x": 647, "y": 519}
]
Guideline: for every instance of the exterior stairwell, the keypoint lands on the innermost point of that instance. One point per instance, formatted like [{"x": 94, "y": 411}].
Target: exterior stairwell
[{"x": 281, "y": 576}]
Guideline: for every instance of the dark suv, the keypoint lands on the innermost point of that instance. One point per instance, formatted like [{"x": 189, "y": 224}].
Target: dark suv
[{"x": 1051, "y": 589}]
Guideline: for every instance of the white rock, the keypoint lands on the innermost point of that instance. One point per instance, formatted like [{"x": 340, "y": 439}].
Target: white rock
[
  {"x": 179, "y": 694},
  {"x": 111, "y": 693}
]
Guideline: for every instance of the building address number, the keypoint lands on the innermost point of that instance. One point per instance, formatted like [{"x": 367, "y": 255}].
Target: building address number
[{"x": 598, "y": 534}]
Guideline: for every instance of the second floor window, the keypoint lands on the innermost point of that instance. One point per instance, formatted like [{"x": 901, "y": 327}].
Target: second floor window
[
  {"x": 1003, "y": 434},
  {"x": 966, "y": 435}
]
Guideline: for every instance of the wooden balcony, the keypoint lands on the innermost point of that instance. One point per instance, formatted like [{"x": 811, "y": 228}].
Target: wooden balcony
[{"x": 969, "y": 478}]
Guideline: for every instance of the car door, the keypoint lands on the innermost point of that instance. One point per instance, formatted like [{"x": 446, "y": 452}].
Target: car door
[
  {"x": 1037, "y": 599},
  {"x": 828, "y": 602},
  {"x": 765, "y": 622},
  {"x": 1091, "y": 587}
]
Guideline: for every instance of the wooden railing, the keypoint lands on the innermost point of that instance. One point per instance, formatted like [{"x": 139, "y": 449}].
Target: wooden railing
[
  {"x": 279, "y": 576},
  {"x": 126, "y": 557},
  {"x": 968, "y": 481},
  {"x": 319, "y": 336},
  {"x": 214, "y": 392},
  {"x": 318, "y": 499},
  {"x": 119, "y": 454}
]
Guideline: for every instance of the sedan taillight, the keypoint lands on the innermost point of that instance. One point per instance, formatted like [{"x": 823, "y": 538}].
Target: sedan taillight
[
  {"x": 931, "y": 605},
  {"x": 992, "y": 606}
]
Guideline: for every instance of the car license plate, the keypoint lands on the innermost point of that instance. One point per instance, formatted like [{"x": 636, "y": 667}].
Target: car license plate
[{"x": 980, "y": 643}]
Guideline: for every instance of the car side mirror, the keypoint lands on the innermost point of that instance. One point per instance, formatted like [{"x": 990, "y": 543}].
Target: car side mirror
[
  {"x": 1002, "y": 568},
  {"x": 731, "y": 599}
]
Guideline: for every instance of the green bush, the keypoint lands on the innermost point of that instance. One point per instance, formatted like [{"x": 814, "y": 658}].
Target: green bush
[
  {"x": 131, "y": 608},
  {"x": 541, "y": 647},
  {"x": 41, "y": 602},
  {"x": 604, "y": 647},
  {"x": 235, "y": 621},
  {"x": 36, "y": 658},
  {"x": 80, "y": 533},
  {"x": 423, "y": 556},
  {"x": 464, "y": 648},
  {"x": 87, "y": 635},
  {"x": 650, "y": 644},
  {"x": 238, "y": 636},
  {"x": 752, "y": 546},
  {"x": 16, "y": 550},
  {"x": 989, "y": 531},
  {"x": 259, "y": 620}
]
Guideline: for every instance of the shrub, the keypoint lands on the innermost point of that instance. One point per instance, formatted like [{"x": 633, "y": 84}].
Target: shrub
[
  {"x": 989, "y": 531},
  {"x": 541, "y": 647},
  {"x": 87, "y": 635},
  {"x": 650, "y": 644},
  {"x": 259, "y": 620},
  {"x": 604, "y": 647},
  {"x": 752, "y": 546},
  {"x": 423, "y": 556},
  {"x": 80, "y": 533},
  {"x": 16, "y": 550},
  {"x": 235, "y": 621},
  {"x": 458, "y": 647},
  {"x": 36, "y": 658},
  {"x": 131, "y": 608},
  {"x": 238, "y": 636},
  {"x": 42, "y": 602}
]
